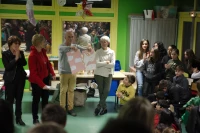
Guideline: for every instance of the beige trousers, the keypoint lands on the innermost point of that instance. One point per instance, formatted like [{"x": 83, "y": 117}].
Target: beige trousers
[{"x": 67, "y": 84}]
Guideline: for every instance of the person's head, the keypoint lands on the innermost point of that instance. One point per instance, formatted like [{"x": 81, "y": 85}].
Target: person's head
[
  {"x": 163, "y": 85},
  {"x": 138, "y": 109},
  {"x": 154, "y": 55},
  {"x": 158, "y": 45},
  {"x": 69, "y": 36},
  {"x": 50, "y": 127},
  {"x": 144, "y": 45},
  {"x": 38, "y": 41},
  {"x": 198, "y": 86},
  {"x": 175, "y": 54},
  {"x": 166, "y": 117},
  {"x": 6, "y": 117},
  {"x": 163, "y": 104},
  {"x": 195, "y": 65},
  {"x": 54, "y": 113},
  {"x": 93, "y": 32},
  {"x": 160, "y": 95},
  {"x": 124, "y": 126},
  {"x": 13, "y": 42},
  {"x": 21, "y": 28},
  {"x": 160, "y": 127},
  {"x": 169, "y": 130},
  {"x": 179, "y": 71},
  {"x": 189, "y": 54},
  {"x": 169, "y": 50},
  {"x": 105, "y": 41},
  {"x": 84, "y": 30},
  {"x": 129, "y": 80}
]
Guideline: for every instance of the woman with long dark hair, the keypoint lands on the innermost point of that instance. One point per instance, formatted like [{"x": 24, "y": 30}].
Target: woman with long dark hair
[{"x": 189, "y": 57}]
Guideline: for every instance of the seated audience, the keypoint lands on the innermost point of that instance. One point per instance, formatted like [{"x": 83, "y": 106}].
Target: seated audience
[
  {"x": 193, "y": 124},
  {"x": 172, "y": 64},
  {"x": 50, "y": 127},
  {"x": 170, "y": 130},
  {"x": 195, "y": 70},
  {"x": 195, "y": 101},
  {"x": 6, "y": 117},
  {"x": 189, "y": 57},
  {"x": 138, "y": 109},
  {"x": 125, "y": 90},
  {"x": 124, "y": 126},
  {"x": 167, "y": 118},
  {"x": 167, "y": 57},
  {"x": 54, "y": 113}
]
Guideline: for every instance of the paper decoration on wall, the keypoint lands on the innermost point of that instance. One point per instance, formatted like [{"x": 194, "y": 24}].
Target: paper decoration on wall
[
  {"x": 61, "y": 2},
  {"x": 84, "y": 9},
  {"x": 75, "y": 61},
  {"x": 89, "y": 60},
  {"x": 29, "y": 12}
]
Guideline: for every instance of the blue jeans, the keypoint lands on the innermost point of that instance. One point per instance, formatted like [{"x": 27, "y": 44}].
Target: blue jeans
[{"x": 139, "y": 77}]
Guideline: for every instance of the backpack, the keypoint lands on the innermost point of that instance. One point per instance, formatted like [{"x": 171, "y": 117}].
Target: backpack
[{"x": 117, "y": 65}]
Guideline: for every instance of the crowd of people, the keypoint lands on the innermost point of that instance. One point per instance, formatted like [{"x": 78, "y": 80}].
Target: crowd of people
[
  {"x": 24, "y": 30},
  {"x": 163, "y": 95}
]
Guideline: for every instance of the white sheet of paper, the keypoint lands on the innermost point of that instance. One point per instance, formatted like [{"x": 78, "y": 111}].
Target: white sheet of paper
[{"x": 51, "y": 88}]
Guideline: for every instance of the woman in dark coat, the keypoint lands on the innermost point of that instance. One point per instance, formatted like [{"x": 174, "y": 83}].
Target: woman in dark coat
[{"x": 14, "y": 75}]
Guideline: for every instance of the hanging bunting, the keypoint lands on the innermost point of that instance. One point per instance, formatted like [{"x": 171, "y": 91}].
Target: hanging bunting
[
  {"x": 29, "y": 12},
  {"x": 84, "y": 9}
]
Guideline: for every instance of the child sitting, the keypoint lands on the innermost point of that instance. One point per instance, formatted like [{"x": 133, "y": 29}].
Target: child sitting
[
  {"x": 125, "y": 90},
  {"x": 195, "y": 68},
  {"x": 195, "y": 101}
]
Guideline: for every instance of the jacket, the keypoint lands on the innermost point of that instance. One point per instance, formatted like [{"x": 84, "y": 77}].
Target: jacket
[
  {"x": 193, "y": 124},
  {"x": 39, "y": 68},
  {"x": 12, "y": 66},
  {"x": 179, "y": 92}
]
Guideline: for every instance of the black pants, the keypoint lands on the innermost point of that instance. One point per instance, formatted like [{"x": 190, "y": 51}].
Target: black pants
[
  {"x": 15, "y": 90},
  {"x": 38, "y": 93}
]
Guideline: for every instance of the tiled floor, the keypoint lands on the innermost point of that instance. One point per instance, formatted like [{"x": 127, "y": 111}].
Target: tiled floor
[{"x": 84, "y": 122}]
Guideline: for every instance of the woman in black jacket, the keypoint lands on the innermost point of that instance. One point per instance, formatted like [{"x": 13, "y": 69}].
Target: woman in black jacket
[{"x": 14, "y": 75}]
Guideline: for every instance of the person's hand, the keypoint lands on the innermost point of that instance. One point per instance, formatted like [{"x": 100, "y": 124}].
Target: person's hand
[
  {"x": 189, "y": 108},
  {"x": 154, "y": 102},
  {"x": 17, "y": 53},
  {"x": 120, "y": 95},
  {"x": 74, "y": 48},
  {"x": 89, "y": 49},
  {"x": 45, "y": 87},
  {"x": 132, "y": 69},
  {"x": 107, "y": 62},
  {"x": 54, "y": 77},
  {"x": 167, "y": 66}
]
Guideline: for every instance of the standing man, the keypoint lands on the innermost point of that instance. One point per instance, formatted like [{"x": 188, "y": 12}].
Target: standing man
[{"x": 67, "y": 79}]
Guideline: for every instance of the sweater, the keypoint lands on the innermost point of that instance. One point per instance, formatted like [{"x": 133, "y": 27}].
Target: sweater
[
  {"x": 39, "y": 66},
  {"x": 63, "y": 64},
  {"x": 102, "y": 68},
  {"x": 127, "y": 92},
  {"x": 195, "y": 75},
  {"x": 138, "y": 63},
  {"x": 170, "y": 73}
]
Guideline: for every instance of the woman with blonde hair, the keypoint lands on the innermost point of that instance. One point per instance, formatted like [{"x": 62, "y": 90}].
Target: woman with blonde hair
[{"x": 40, "y": 68}]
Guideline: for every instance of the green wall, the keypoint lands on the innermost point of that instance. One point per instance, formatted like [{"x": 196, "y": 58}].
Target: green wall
[{"x": 127, "y": 7}]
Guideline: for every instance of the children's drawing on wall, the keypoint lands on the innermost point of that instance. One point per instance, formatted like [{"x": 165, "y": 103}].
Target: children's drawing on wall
[
  {"x": 87, "y": 33},
  {"x": 23, "y": 29}
]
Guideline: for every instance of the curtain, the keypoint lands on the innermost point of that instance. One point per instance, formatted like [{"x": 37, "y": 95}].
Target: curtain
[{"x": 164, "y": 30}]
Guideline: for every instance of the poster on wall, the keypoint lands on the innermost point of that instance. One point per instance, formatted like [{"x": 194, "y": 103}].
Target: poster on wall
[
  {"x": 75, "y": 61},
  {"x": 89, "y": 60}
]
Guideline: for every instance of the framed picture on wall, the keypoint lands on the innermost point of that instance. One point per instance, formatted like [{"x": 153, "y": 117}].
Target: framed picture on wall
[
  {"x": 23, "y": 29},
  {"x": 94, "y": 29}
]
